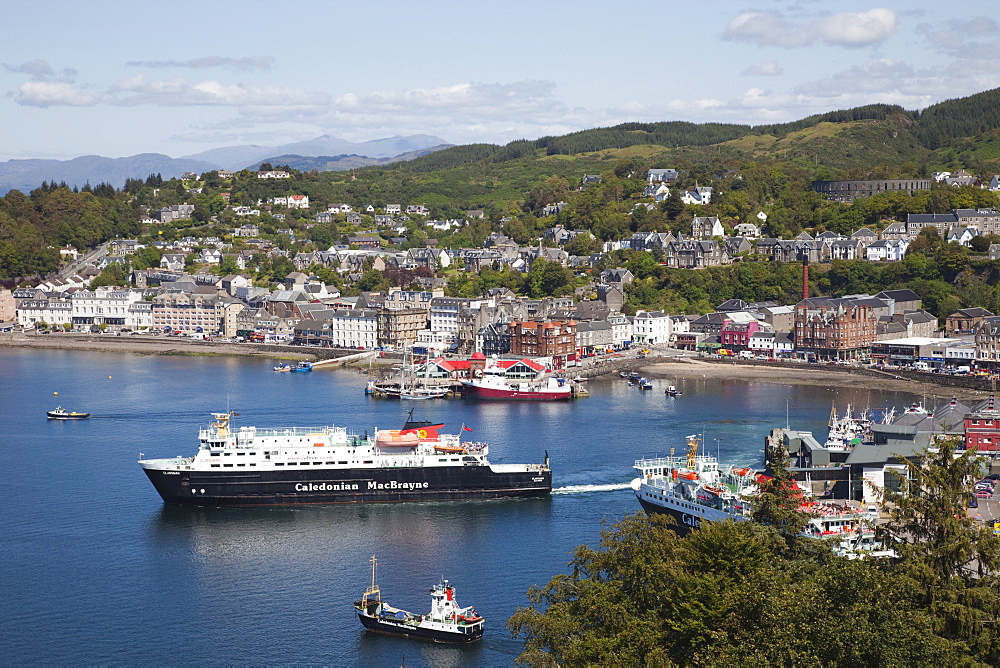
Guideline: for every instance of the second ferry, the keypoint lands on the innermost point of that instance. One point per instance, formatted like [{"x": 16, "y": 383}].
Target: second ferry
[{"x": 248, "y": 466}]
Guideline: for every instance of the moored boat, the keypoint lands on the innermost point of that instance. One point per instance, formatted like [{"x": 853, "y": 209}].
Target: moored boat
[
  {"x": 447, "y": 622},
  {"x": 249, "y": 466},
  {"x": 60, "y": 413},
  {"x": 695, "y": 488},
  {"x": 495, "y": 385},
  {"x": 672, "y": 391}
]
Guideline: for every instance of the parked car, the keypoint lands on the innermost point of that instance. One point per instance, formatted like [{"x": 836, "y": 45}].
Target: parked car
[
  {"x": 984, "y": 494},
  {"x": 973, "y": 502}
]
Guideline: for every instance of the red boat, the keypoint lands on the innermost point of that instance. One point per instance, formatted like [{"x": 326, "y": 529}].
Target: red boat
[{"x": 495, "y": 385}]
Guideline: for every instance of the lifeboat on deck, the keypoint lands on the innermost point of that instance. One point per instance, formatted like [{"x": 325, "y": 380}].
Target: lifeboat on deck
[{"x": 393, "y": 438}]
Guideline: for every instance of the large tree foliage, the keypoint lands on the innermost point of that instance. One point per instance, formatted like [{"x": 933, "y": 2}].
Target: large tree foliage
[
  {"x": 760, "y": 593},
  {"x": 952, "y": 559},
  {"x": 727, "y": 594}
]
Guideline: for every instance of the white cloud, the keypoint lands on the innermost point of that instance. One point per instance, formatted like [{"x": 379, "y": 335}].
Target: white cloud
[
  {"x": 858, "y": 29},
  {"x": 244, "y": 64},
  {"x": 768, "y": 68},
  {"x": 179, "y": 92},
  {"x": 851, "y": 29},
  {"x": 54, "y": 94},
  {"x": 41, "y": 70},
  {"x": 973, "y": 43}
]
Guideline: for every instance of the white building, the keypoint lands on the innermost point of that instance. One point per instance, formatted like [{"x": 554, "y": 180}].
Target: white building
[
  {"x": 621, "y": 329},
  {"x": 104, "y": 306},
  {"x": 651, "y": 327},
  {"x": 353, "y": 328}
]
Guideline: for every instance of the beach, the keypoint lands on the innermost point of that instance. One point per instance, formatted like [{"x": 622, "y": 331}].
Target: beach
[
  {"x": 806, "y": 375},
  {"x": 148, "y": 345}
]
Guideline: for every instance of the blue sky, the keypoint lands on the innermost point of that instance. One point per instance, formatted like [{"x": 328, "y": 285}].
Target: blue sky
[{"x": 119, "y": 78}]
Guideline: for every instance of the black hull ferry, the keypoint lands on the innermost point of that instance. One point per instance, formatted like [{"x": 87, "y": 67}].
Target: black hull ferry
[
  {"x": 296, "y": 466},
  {"x": 445, "y": 623}
]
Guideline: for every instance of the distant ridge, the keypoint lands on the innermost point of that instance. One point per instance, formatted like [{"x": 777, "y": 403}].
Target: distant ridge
[{"x": 26, "y": 175}]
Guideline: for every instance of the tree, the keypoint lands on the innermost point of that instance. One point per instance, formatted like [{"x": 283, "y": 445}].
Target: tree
[
  {"x": 953, "y": 559},
  {"x": 727, "y": 594}
]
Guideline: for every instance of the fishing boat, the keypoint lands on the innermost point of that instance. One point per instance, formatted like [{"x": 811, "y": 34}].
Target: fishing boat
[
  {"x": 301, "y": 367},
  {"x": 283, "y": 367},
  {"x": 645, "y": 384},
  {"x": 61, "y": 413},
  {"x": 447, "y": 622},
  {"x": 672, "y": 391}
]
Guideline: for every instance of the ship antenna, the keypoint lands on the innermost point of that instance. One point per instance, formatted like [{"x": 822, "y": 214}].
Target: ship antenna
[{"x": 373, "y": 590}]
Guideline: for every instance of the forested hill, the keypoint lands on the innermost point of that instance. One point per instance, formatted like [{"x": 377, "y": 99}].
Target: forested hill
[{"x": 934, "y": 128}]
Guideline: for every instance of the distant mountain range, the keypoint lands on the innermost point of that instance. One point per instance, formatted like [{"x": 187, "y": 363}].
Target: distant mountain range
[{"x": 323, "y": 153}]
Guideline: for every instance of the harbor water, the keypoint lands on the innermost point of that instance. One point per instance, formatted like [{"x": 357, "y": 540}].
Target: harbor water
[{"x": 97, "y": 570}]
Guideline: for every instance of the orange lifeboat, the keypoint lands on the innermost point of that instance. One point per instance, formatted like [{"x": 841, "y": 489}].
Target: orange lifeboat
[
  {"x": 689, "y": 476},
  {"x": 392, "y": 438},
  {"x": 741, "y": 472},
  {"x": 454, "y": 449}
]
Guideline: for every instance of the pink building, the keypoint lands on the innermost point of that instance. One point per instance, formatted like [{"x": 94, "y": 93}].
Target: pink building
[{"x": 737, "y": 334}]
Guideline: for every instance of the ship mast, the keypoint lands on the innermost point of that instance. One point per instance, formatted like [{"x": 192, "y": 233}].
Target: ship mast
[
  {"x": 373, "y": 590},
  {"x": 692, "y": 453}
]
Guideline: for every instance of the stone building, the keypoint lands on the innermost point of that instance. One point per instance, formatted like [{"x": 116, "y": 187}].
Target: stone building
[
  {"x": 834, "y": 328},
  {"x": 543, "y": 339}
]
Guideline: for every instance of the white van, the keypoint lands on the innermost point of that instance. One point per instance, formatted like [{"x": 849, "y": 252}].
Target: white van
[
  {"x": 921, "y": 366},
  {"x": 746, "y": 354}
]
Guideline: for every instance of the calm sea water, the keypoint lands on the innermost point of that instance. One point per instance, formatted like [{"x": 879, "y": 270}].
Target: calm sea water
[{"x": 96, "y": 570}]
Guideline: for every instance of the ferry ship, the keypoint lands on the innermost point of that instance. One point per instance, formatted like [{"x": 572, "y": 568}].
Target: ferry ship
[
  {"x": 694, "y": 488},
  {"x": 446, "y": 622},
  {"x": 248, "y": 466}
]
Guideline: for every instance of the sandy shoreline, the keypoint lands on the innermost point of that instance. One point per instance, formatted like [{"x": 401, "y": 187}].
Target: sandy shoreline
[
  {"x": 807, "y": 375},
  {"x": 133, "y": 345}
]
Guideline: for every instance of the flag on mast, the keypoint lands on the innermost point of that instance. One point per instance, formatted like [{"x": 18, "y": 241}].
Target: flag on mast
[{"x": 464, "y": 428}]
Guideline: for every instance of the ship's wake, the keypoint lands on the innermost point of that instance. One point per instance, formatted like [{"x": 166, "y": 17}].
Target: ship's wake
[{"x": 586, "y": 489}]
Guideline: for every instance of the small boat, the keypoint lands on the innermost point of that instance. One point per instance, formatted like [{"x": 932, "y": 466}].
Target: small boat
[
  {"x": 302, "y": 366},
  {"x": 283, "y": 367},
  {"x": 62, "y": 414},
  {"x": 672, "y": 391},
  {"x": 645, "y": 384},
  {"x": 446, "y": 622},
  {"x": 417, "y": 393}
]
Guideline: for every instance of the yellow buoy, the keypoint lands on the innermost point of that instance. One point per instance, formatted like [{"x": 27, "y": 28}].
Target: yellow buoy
[
  {"x": 55, "y": 394},
  {"x": 109, "y": 377}
]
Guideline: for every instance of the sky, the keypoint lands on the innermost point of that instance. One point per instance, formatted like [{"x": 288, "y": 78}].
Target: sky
[{"x": 120, "y": 78}]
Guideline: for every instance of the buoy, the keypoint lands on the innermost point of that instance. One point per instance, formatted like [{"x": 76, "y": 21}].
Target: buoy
[
  {"x": 109, "y": 377},
  {"x": 55, "y": 394}
]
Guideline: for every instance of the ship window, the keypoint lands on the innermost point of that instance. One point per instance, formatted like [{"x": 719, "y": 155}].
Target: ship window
[
  {"x": 215, "y": 466},
  {"x": 253, "y": 465},
  {"x": 443, "y": 459},
  {"x": 253, "y": 453},
  {"x": 240, "y": 454},
  {"x": 317, "y": 463},
  {"x": 227, "y": 454},
  {"x": 292, "y": 463},
  {"x": 228, "y": 466},
  {"x": 215, "y": 454},
  {"x": 341, "y": 462},
  {"x": 367, "y": 461},
  {"x": 241, "y": 465},
  {"x": 279, "y": 464}
]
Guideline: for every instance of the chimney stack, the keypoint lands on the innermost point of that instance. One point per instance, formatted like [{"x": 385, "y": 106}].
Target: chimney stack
[{"x": 805, "y": 280}]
